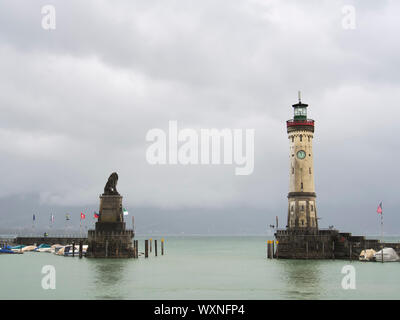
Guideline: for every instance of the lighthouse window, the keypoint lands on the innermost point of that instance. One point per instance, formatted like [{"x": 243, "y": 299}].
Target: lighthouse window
[
  {"x": 308, "y": 138},
  {"x": 292, "y": 170},
  {"x": 301, "y": 185},
  {"x": 292, "y": 139},
  {"x": 301, "y": 138},
  {"x": 300, "y": 112}
]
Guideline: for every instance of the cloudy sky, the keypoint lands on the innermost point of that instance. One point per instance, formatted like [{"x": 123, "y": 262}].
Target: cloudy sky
[{"x": 76, "y": 104}]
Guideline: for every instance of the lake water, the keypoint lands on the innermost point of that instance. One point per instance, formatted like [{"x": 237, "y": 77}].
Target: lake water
[{"x": 196, "y": 268}]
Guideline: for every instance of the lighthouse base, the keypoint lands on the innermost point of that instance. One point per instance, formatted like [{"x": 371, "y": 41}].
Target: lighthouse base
[{"x": 324, "y": 244}]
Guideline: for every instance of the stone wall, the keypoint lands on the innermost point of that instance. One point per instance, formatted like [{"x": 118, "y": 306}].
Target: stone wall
[{"x": 324, "y": 244}]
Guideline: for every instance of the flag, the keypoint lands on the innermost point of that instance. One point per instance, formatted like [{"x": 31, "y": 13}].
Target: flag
[
  {"x": 34, "y": 217},
  {"x": 379, "y": 210},
  {"x": 125, "y": 211},
  {"x": 67, "y": 217},
  {"x": 96, "y": 215},
  {"x": 83, "y": 216}
]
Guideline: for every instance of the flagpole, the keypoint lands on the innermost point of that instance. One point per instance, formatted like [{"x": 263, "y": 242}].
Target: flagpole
[{"x": 382, "y": 226}]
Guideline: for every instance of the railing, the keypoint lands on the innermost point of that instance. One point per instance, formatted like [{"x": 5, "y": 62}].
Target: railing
[
  {"x": 308, "y": 122},
  {"x": 50, "y": 235}
]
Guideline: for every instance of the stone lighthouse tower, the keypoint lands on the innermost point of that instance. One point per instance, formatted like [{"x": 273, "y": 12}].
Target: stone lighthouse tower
[{"x": 302, "y": 213}]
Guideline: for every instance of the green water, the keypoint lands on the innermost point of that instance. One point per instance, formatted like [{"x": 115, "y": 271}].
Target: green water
[{"x": 196, "y": 268}]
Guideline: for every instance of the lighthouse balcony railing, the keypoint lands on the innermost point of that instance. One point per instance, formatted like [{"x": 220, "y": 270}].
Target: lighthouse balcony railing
[{"x": 293, "y": 122}]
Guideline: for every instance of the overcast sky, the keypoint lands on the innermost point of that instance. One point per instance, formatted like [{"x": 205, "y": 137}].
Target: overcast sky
[{"x": 76, "y": 104}]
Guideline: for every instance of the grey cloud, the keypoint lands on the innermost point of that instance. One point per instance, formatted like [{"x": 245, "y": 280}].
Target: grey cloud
[{"x": 76, "y": 103}]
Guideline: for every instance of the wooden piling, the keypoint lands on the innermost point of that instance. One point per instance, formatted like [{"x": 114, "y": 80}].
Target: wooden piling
[
  {"x": 80, "y": 249},
  {"x": 273, "y": 249},
  {"x": 351, "y": 250},
  {"x": 277, "y": 249},
  {"x": 151, "y": 244},
  {"x": 162, "y": 246},
  {"x": 269, "y": 249},
  {"x": 106, "y": 248},
  {"x": 73, "y": 249},
  {"x": 146, "y": 248},
  {"x": 307, "y": 249},
  {"x": 137, "y": 249},
  {"x": 155, "y": 248}
]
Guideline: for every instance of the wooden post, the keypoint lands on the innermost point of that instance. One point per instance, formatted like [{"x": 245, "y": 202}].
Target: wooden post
[
  {"x": 382, "y": 253},
  {"x": 134, "y": 249},
  {"x": 106, "y": 248},
  {"x": 307, "y": 249},
  {"x": 151, "y": 244},
  {"x": 73, "y": 249},
  {"x": 146, "y": 248},
  {"x": 273, "y": 249},
  {"x": 155, "y": 248},
  {"x": 80, "y": 249},
  {"x": 162, "y": 246},
  {"x": 351, "y": 249},
  {"x": 277, "y": 249},
  {"x": 269, "y": 249}
]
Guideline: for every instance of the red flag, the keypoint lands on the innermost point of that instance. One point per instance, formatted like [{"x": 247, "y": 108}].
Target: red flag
[
  {"x": 82, "y": 216},
  {"x": 96, "y": 215},
  {"x": 379, "y": 210}
]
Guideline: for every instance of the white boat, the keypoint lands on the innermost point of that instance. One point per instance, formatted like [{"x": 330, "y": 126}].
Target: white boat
[
  {"x": 367, "y": 255},
  {"x": 389, "y": 255},
  {"x": 28, "y": 248},
  {"x": 55, "y": 247},
  {"x": 68, "y": 252},
  {"x": 43, "y": 248}
]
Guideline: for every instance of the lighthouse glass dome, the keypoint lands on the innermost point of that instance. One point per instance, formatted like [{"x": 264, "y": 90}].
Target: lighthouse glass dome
[{"x": 300, "y": 111}]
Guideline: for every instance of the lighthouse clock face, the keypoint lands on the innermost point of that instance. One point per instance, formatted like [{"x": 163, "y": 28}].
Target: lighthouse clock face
[{"x": 301, "y": 154}]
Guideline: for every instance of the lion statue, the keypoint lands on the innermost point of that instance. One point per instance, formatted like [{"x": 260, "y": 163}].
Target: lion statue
[{"x": 111, "y": 185}]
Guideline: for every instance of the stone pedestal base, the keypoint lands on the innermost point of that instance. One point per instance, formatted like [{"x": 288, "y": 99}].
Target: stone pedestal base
[
  {"x": 110, "y": 239},
  {"x": 110, "y": 244}
]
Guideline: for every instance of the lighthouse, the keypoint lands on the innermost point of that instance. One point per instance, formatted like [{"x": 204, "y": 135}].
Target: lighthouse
[
  {"x": 302, "y": 239},
  {"x": 302, "y": 211}
]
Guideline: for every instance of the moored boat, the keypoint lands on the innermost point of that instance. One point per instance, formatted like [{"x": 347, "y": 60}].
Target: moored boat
[
  {"x": 389, "y": 255},
  {"x": 367, "y": 255},
  {"x": 7, "y": 250},
  {"x": 28, "y": 248},
  {"x": 68, "y": 250},
  {"x": 43, "y": 248}
]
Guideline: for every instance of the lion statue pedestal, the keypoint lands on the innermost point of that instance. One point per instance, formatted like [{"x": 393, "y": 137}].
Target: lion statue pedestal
[{"x": 110, "y": 239}]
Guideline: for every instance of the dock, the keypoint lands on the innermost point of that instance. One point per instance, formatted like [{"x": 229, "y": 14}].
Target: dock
[{"x": 63, "y": 240}]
